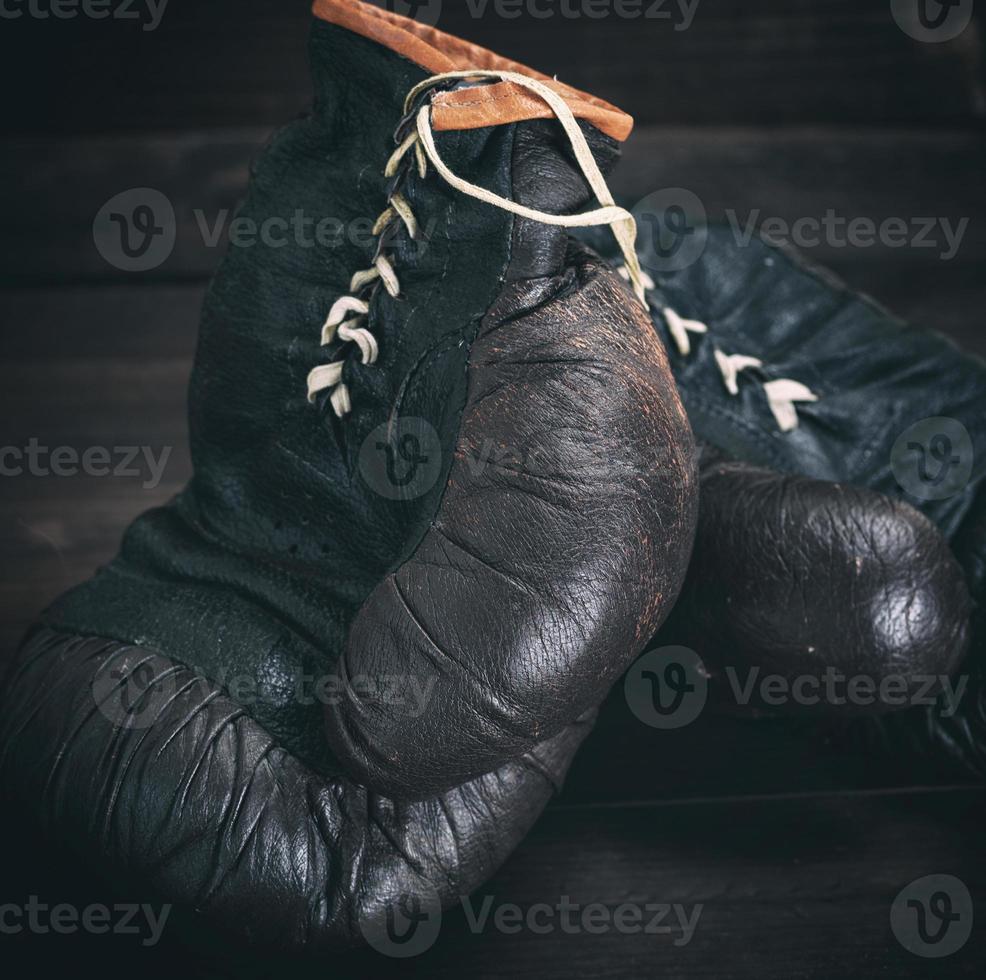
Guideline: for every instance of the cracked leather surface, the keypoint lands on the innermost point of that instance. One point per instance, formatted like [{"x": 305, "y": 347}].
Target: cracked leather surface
[
  {"x": 804, "y": 578},
  {"x": 512, "y": 606},
  {"x": 515, "y": 586},
  {"x": 202, "y": 805}
]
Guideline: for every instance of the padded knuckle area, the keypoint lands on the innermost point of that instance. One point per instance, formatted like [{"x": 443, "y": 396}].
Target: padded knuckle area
[
  {"x": 801, "y": 577},
  {"x": 560, "y": 543},
  {"x": 177, "y": 792}
]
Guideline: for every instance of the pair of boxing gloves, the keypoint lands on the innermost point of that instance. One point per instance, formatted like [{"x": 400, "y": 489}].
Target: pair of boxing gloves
[{"x": 439, "y": 506}]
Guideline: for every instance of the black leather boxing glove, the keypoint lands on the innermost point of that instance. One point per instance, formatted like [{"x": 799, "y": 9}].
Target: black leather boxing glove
[
  {"x": 851, "y": 599},
  {"x": 437, "y": 507},
  {"x": 783, "y": 368},
  {"x": 164, "y": 783}
]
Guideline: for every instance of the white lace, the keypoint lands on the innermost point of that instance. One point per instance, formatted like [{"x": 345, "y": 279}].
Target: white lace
[
  {"x": 783, "y": 394},
  {"x": 349, "y": 314}
]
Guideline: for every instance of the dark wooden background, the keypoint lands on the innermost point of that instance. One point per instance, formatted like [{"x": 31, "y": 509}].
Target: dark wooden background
[{"x": 794, "y": 107}]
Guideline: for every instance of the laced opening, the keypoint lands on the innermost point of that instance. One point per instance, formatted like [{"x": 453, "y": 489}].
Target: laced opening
[
  {"x": 783, "y": 394},
  {"x": 349, "y": 314}
]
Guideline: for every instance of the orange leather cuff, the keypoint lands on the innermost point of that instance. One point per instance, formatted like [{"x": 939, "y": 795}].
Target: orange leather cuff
[{"x": 469, "y": 108}]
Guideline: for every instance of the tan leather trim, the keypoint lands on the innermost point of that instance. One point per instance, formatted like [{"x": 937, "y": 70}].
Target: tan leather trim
[
  {"x": 505, "y": 102},
  {"x": 439, "y": 52}
]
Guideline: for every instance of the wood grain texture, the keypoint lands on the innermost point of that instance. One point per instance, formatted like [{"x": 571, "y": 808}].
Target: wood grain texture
[
  {"x": 236, "y": 62},
  {"x": 793, "y": 886}
]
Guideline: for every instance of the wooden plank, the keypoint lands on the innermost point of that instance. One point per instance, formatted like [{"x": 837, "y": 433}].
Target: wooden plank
[
  {"x": 56, "y": 531},
  {"x": 791, "y": 174},
  {"x": 123, "y": 321},
  {"x": 790, "y": 887},
  {"x": 90, "y": 370},
  {"x": 51, "y": 190},
  {"x": 783, "y": 887},
  {"x": 243, "y": 62}
]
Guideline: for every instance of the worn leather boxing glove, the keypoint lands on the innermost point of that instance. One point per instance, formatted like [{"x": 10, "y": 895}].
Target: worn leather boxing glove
[
  {"x": 438, "y": 506},
  {"x": 783, "y": 368},
  {"x": 847, "y": 601}
]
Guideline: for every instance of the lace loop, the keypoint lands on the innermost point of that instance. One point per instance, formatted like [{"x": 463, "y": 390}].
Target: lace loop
[
  {"x": 363, "y": 339},
  {"x": 783, "y": 394},
  {"x": 337, "y": 317},
  {"x": 679, "y": 329},
  {"x": 421, "y": 140},
  {"x": 324, "y": 376},
  {"x": 730, "y": 366}
]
